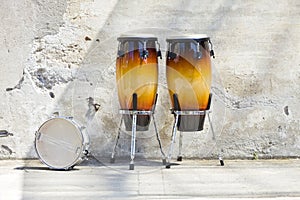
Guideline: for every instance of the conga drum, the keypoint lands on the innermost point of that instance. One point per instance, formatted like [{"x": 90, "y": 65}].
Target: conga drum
[
  {"x": 189, "y": 77},
  {"x": 137, "y": 76}
]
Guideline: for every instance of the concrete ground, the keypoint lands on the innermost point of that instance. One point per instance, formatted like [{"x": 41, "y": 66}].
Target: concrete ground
[{"x": 191, "y": 179}]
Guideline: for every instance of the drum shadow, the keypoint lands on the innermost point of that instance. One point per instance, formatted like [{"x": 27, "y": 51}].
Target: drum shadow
[
  {"x": 26, "y": 168},
  {"x": 120, "y": 162}
]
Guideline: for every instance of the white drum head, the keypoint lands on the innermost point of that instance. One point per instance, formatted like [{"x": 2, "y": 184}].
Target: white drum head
[
  {"x": 188, "y": 37},
  {"x": 137, "y": 37},
  {"x": 59, "y": 143}
]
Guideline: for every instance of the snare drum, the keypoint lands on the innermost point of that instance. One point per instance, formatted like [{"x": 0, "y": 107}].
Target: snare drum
[
  {"x": 137, "y": 73},
  {"x": 61, "y": 143},
  {"x": 189, "y": 77}
]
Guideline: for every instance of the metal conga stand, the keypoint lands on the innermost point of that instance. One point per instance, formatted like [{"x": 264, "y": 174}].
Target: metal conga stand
[
  {"x": 134, "y": 112},
  {"x": 177, "y": 112}
]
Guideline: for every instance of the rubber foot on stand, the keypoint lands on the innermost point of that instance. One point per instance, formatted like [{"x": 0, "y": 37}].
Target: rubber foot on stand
[
  {"x": 179, "y": 158},
  {"x": 164, "y": 161},
  {"x": 222, "y": 162},
  {"x": 131, "y": 166},
  {"x": 112, "y": 160}
]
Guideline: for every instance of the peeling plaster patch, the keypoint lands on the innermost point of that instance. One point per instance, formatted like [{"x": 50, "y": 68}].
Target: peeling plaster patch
[
  {"x": 55, "y": 58},
  {"x": 45, "y": 78}
]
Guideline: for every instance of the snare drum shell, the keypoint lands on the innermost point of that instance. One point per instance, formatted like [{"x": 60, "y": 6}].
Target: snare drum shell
[{"x": 61, "y": 143}]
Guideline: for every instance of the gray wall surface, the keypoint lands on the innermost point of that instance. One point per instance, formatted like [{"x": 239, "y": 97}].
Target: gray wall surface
[{"x": 59, "y": 56}]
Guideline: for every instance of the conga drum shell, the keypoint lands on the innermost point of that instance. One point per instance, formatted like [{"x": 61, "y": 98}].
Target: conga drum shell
[
  {"x": 189, "y": 76},
  {"x": 137, "y": 73}
]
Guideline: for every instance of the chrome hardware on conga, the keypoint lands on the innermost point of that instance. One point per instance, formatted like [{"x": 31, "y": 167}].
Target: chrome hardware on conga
[
  {"x": 61, "y": 143},
  {"x": 188, "y": 71},
  {"x": 137, "y": 79}
]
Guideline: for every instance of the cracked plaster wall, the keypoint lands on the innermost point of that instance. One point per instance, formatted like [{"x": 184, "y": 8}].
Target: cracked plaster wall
[{"x": 58, "y": 56}]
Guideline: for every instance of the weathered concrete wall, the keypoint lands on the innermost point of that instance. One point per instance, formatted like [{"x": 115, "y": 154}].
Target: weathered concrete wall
[{"x": 59, "y": 56}]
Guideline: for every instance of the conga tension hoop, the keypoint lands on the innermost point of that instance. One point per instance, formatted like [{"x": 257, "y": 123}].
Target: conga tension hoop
[
  {"x": 172, "y": 54},
  {"x": 144, "y": 53}
]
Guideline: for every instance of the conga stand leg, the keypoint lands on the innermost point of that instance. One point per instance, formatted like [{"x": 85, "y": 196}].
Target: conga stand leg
[
  {"x": 168, "y": 165},
  {"x": 159, "y": 141},
  {"x": 179, "y": 157},
  {"x": 133, "y": 136},
  {"x": 112, "y": 159},
  {"x": 214, "y": 138}
]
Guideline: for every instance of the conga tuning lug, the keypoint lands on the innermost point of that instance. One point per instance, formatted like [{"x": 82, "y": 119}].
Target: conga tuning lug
[
  {"x": 86, "y": 152},
  {"x": 159, "y": 54},
  {"x": 144, "y": 54},
  {"x": 199, "y": 54},
  {"x": 121, "y": 53},
  {"x": 171, "y": 55},
  {"x": 212, "y": 53}
]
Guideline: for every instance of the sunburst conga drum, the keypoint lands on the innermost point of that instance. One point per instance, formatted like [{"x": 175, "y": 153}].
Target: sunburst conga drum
[
  {"x": 137, "y": 74},
  {"x": 189, "y": 77}
]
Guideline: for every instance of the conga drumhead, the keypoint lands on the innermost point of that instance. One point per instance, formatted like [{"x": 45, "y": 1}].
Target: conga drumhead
[
  {"x": 187, "y": 37},
  {"x": 130, "y": 37},
  {"x": 59, "y": 143}
]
